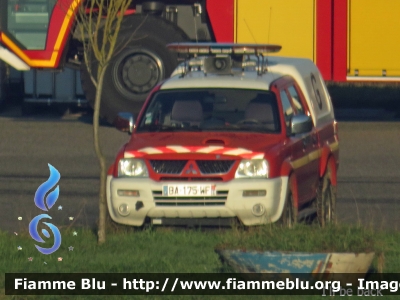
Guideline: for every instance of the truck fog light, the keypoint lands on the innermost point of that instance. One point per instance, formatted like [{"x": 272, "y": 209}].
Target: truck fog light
[
  {"x": 254, "y": 193},
  {"x": 124, "y": 210},
  {"x": 258, "y": 210},
  {"x": 129, "y": 193}
]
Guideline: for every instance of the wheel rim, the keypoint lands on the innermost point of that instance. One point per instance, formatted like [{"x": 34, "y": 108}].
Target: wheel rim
[{"x": 137, "y": 72}]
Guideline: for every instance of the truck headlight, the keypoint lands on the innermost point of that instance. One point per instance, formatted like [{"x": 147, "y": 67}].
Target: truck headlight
[
  {"x": 132, "y": 167},
  {"x": 252, "y": 168}
]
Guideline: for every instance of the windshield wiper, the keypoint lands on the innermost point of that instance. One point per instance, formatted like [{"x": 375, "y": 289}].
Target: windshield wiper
[
  {"x": 166, "y": 128},
  {"x": 256, "y": 129},
  {"x": 158, "y": 127},
  {"x": 239, "y": 129}
]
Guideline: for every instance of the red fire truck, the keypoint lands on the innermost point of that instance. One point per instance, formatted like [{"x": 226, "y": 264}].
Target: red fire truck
[{"x": 347, "y": 39}]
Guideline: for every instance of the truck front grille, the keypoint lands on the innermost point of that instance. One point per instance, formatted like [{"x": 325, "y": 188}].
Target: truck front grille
[
  {"x": 206, "y": 167},
  {"x": 191, "y": 179},
  {"x": 168, "y": 166},
  {"x": 214, "y": 166}
]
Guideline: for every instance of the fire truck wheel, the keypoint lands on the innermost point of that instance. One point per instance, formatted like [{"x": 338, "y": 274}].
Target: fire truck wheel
[
  {"x": 140, "y": 62},
  {"x": 326, "y": 201}
]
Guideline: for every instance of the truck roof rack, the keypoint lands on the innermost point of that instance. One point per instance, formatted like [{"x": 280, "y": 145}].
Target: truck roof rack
[
  {"x": 223, "y": 48},
  {"x": 221, "y": 58}
]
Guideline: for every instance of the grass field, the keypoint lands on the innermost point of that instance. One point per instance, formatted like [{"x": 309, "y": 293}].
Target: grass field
[{"x": 187, "y": 251}]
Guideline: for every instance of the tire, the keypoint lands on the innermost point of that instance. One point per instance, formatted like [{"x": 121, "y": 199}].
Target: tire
[
  {"x": 288, "y": 218},
  {"x": 135, "y": 70},
  {"x": 326, "y": 201}
]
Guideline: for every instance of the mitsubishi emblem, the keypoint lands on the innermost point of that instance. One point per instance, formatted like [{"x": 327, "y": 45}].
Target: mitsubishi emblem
[{"x": 191, "y": 170}]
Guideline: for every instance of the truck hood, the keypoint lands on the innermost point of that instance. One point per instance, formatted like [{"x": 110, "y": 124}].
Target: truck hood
[{"x": 245, "y": 145}]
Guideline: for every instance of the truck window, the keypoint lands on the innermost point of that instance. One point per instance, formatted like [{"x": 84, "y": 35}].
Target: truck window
[
  {"x": 28, "y": 21},
  {"x": 296, "y": 99},
  {"x": 287, "y": 107}
]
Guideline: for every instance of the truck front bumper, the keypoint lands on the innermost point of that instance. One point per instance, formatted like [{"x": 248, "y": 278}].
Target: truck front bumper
[{"x": 229, "y": 201}]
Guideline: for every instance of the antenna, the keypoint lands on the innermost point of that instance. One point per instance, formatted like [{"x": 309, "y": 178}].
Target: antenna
[
  {"x": 255, "y": 41},
  {"x": 269, "y": 31},
  {"x": 269, "y": 22},
  {"x": 260, "y": 67}
]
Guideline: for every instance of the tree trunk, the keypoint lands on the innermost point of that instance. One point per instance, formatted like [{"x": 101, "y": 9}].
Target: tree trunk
[{"x": 101, "y": 231}]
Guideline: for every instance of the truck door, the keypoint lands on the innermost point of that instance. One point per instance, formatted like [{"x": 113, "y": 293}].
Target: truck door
[
  {"x": 304, "y": 147},
  {"x": 310, "y": 144}
]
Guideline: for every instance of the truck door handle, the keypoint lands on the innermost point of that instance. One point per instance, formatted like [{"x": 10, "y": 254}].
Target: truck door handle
[
  {"x": 310, "y": 139},
  {"x": 314, "y": 140},
  {"x": 305, "y": 142}
]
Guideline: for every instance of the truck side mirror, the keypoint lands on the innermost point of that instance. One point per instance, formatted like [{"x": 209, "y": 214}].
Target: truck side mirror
[
  {"x": 300, "y": 124},
  {"x": 124, "y": 122}
]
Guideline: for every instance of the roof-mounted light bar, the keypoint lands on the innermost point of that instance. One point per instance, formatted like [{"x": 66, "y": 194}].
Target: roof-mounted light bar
[
  {"x": 223, "y": 58},
  {"x": 223, "y": 48}
]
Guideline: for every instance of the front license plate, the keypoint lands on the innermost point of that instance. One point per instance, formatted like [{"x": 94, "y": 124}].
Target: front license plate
[{"x": 189, "y": 190}]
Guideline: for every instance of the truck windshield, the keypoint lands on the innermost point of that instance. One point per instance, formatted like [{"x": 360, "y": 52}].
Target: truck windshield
[
  {"x": 28, "y": 21},
  {"x": 240, "y": 110}
]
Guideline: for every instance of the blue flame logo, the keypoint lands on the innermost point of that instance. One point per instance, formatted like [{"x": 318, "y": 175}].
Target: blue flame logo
[
  {"x": 45, "y": 187},
  {"x": 46, "y": 203}
]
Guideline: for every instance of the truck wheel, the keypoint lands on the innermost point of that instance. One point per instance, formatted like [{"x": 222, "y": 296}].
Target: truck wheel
[
  {"x": 326, "y": 201},
  {"x": 140, "y": 62},
  {"x": 289, "y": 214}
]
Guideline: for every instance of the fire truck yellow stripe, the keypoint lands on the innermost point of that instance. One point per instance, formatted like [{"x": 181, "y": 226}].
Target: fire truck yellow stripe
[
  {"x": 334, "y": 146},
  {"x": 302, "y": 161},
  {"x": 64, "y": 27},
  {"x": 15, "y": 48},
  {"x": 314, "y": 155}
]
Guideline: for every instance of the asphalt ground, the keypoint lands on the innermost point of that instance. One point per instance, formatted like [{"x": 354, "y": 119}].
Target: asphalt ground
[{"x": 369, "y": 172}]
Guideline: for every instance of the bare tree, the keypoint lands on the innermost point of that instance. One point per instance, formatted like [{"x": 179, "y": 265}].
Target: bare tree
[{"x": 98, "y": 23}]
